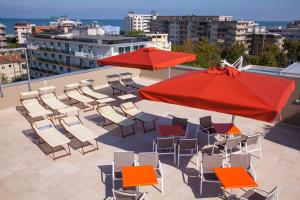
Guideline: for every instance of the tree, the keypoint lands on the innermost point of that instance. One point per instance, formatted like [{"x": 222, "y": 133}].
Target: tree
[
  {"x": 134, "y": 33},
  {"x": 233, "y": 52},
  {"x": 207, "y": 55},
  {"x": 4, "y": 79},
  {"x": 293, "y": 50},
  {"x": 268, "y": 59}
]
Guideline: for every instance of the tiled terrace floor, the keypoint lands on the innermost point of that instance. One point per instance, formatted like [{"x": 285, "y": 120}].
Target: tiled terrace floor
[{"x": 27, "y": 173}]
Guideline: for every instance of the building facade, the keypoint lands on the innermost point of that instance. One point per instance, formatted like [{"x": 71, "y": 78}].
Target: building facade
[
  {"x": 260, "y": 40},
  {"x": 21, "y": 30},
  {"x": 182, "y": 28},
  {"x": 138, "y": 22},
  {"x": 51, "y": 54},
  {"x": 159, "y": 40},
  {"x": 2, "y": 36},
  {"x": 12, "y": 67}
]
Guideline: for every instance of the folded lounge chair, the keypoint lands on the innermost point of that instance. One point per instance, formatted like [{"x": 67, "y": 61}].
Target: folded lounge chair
[
  {"x": 46, "y": 131},
  {"x": 108, "y": 113},
  {"x": 49, "y": 98},
  {"x": 132, "y": 110},
  {"x": 32, "y": 106},
  {"x": 114, "y": 82},
  {"x": 72, "y": 93},
  {"x": 75, "y": 127},
  {"x": 126, "y": 78}
]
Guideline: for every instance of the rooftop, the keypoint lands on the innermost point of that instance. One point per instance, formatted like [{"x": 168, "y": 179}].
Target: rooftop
[
  {"x": 27, "y": 172},
  {"x": 96, "y": 39}
]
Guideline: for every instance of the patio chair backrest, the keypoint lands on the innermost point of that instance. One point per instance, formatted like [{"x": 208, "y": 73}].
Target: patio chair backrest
[
  {"x": 252, "y": 139},
  {"x": 149, "y": 158},
  {"x": 206, "y": 122},
  {"x": 123, "y": 159},
  {"x": 211, "y": 161},
  {"x": 271, "y": 194},
  {"x": 240, "y": 160},
  {"x": 180, "y": 121},
  {"x": 188, "y": 144},
  {"x": 232, "y": 143},
  {"x": 122, "y": 195},
  {"x": 164, "y": 143}
]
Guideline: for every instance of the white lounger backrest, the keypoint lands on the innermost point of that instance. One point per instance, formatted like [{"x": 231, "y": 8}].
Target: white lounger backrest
[
  {"x": 29, "y": 95},
  {"x": 46, "y": 90}
]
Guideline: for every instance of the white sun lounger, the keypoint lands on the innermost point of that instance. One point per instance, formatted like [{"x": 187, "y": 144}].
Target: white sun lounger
[
  {"x": 32, "y": 106},
  {"x": 132, "y": 110},
  {"x": 88, "y": 90},
  {"x": 46, "y": 131},
  {"x": 108, "y": 113},
  {"x": 48, "y": 97},
  {"x": 72, "y": 93},
  {"x": 74, "y": 126}
]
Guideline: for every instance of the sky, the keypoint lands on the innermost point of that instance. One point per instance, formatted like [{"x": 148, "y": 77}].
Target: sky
[{"x": 275, "y": 10}]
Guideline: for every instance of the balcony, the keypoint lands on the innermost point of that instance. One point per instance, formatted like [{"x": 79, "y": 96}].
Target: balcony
[{"x": 27, "y": 172}]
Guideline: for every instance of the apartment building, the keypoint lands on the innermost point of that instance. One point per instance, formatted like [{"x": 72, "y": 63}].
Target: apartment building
[
  {"x": 12, "y": 67},
  {"x": 2, "y": 36},
  {"x": 242, "y": 32},
  {"x": 21, "y": 30},
  {"x": 51, "y": 53},
  {"x": 260, "y": 40},
  {"x": 159, "y": 40},
  {"x": 139, "y": 22},
  {"x": 182, "y": 28}
]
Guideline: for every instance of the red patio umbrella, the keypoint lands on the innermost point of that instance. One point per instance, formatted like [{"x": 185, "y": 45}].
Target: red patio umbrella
[
  {"x": 225, "y": 90},
  {"x": 148, "y": 58}
]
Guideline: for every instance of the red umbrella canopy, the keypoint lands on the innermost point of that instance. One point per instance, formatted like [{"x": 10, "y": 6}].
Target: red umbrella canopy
[
  {"x": 148, "y": 58},
  {"x": 225, "y": 90}
]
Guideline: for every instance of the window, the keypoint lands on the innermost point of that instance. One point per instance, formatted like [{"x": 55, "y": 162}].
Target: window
[
  {"x": 61, "y": 69},
  {"x": 52, "y": 55},
  {"x": 54, "y": 67},
  {"x": 9, "y": 65},
  {"x": 46, "y": 65},
  {"x": 23, "y": 66},
  {"x": 127, "y": 49},
  {"x": 80, "y": 48},
  {"x": 135, "y": 47},
  {"x": 121, "y": 50},
  {"x": 69, "y": 70},
  {"x": 60, "y": 57},
  {"x": 3, "y": 67},
  {"x": 59, "y": 45},
  {"x": 45, "y": 54},
  {"x": 141, "y": 46}
]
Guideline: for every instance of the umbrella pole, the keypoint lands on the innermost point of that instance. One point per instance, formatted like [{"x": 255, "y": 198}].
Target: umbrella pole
[
  {"x": 169, "y": 72},
  {"x": 233, "y": 119}
]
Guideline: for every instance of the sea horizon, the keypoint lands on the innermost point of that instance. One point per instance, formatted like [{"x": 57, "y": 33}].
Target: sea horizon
[{"x": 9, "y": 22}]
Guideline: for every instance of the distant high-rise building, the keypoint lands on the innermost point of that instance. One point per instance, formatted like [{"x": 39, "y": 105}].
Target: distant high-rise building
[
  {"x": 182, "y": 28},
  {"x": 139, "y": 22},
  {"x": 2, "y": 36},
  {"x": 21, "y": 30}
]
